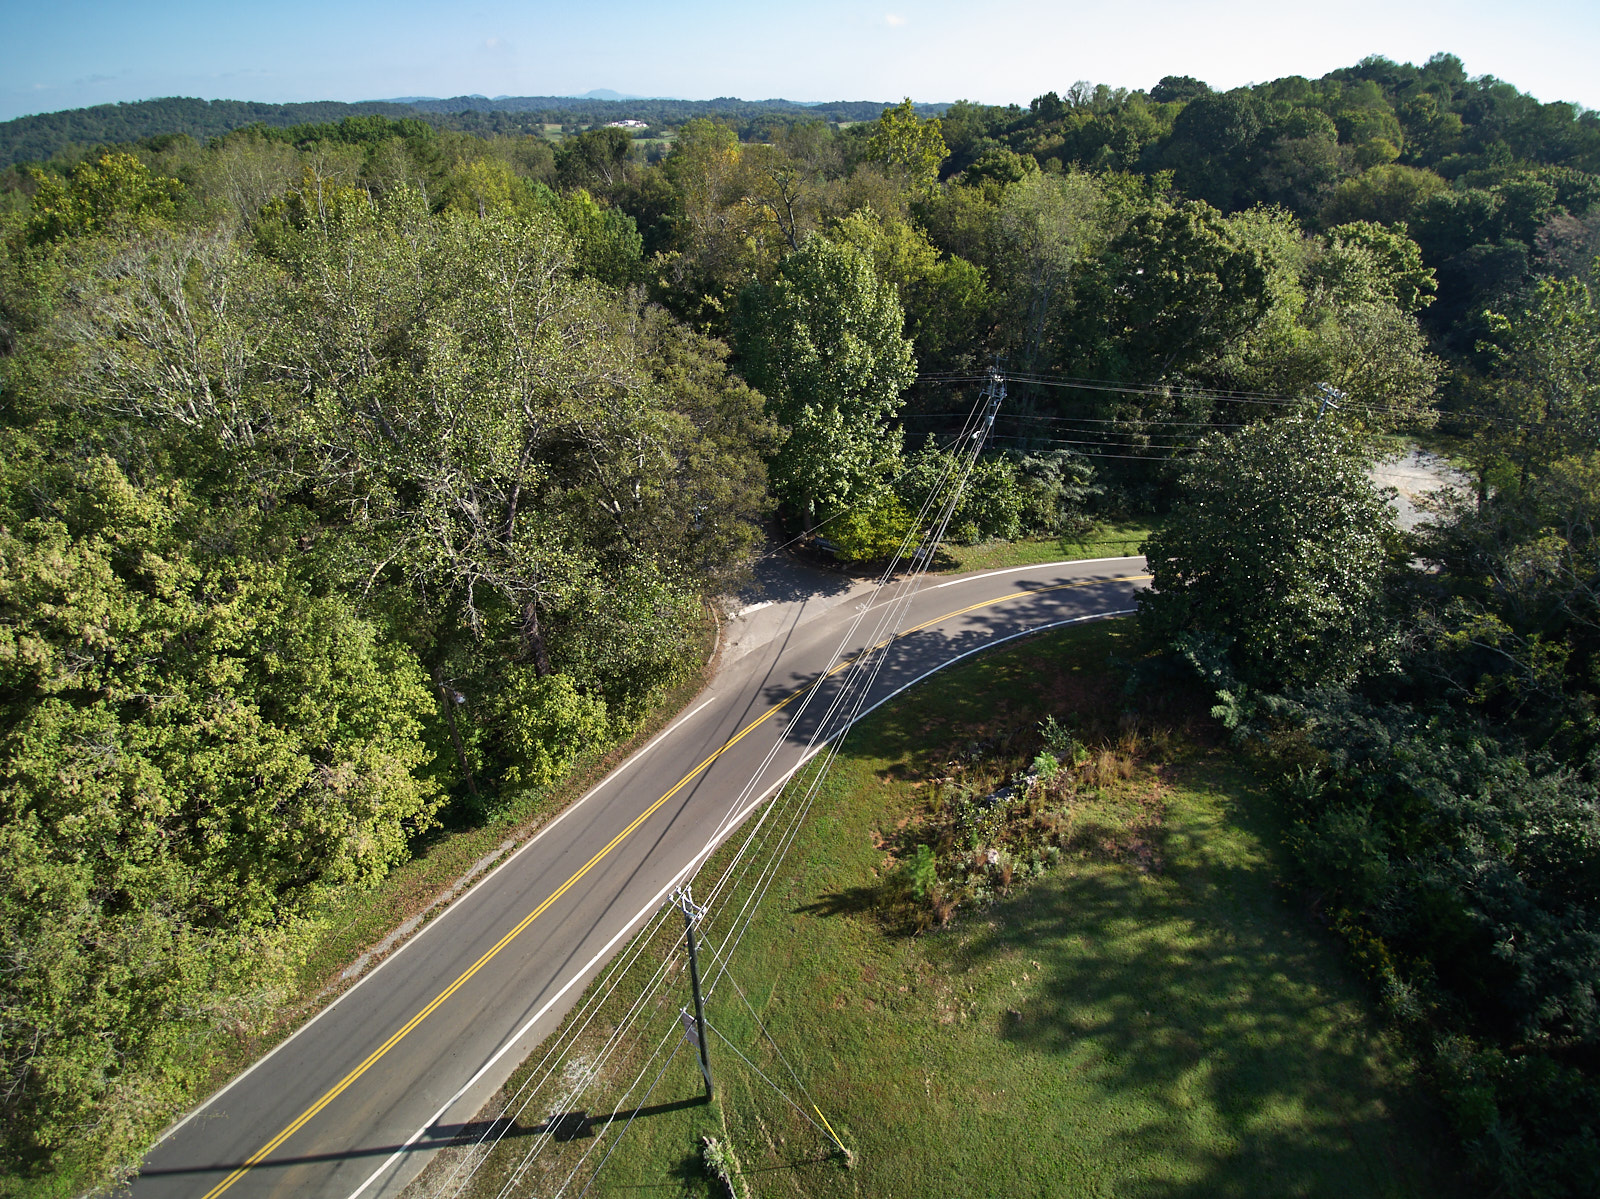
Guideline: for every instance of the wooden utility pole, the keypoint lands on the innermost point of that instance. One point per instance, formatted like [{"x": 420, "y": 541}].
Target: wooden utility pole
[{"x": 692, "y": 916}]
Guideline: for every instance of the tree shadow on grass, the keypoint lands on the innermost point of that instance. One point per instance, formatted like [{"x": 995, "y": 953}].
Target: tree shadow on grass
[
  {"x": 849, "y": 901},
  {"x": 1179, "y": 1035},
  {"x": 1234, "y": 1034}
]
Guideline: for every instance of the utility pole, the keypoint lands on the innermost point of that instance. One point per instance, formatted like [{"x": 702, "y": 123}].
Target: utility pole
[
  {"x": 995, "y": 390},
  {"x": 993, "y": 395},
  {"x": 695, "y": 1026},
  {"x": 1330, "y": 398}
]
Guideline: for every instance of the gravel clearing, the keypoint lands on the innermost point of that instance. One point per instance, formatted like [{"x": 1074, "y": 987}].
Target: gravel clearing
[{"x": 1415, "y": 474}]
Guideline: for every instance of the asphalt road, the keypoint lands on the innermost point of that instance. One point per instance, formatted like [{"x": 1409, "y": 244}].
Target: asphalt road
[{"x": 359, "y": 1098}]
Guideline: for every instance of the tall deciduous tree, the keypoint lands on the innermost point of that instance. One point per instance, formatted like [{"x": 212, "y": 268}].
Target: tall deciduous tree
[
  {"x": 823, "y": 342},
  {"x": 946, "y": 299},
  {"x": 909, "y": 148},
  {"x": 1170, "y": 292},
  {"x": 1544, "y": 386},
  {"x": 97, "y": 195},
  {"x": 1274, "y": 555},
  {"x": 1341, "y": 314},
  {"x": 1046, "y": 227}
]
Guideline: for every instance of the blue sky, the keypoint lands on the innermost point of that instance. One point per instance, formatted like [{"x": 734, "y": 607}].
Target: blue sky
[{"x": 71, "y": 53}]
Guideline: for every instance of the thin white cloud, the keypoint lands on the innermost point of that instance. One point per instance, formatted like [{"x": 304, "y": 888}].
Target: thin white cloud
[{"x": 894, "y": 20}]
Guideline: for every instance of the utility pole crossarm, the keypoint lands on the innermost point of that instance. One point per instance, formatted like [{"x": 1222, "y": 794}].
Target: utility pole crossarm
[{"x": 995, "y": 391}]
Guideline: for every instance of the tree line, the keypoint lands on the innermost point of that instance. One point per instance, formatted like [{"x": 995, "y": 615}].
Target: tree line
[{"x": 74, "y": 132}]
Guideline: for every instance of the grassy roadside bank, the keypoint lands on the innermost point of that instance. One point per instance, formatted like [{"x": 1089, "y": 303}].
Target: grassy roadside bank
[
  {"x": 1146, "y": 1010},
  {"x": 365, "y": 918},
  {"x": 355, "y": 930},
  {"x": 1112, "y": 539}
]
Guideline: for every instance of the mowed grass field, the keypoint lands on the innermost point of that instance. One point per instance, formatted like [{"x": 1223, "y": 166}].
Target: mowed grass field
[{"x": 1146, "y": 1010}]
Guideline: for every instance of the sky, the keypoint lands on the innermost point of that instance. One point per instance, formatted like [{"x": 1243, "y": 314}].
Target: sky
[{"x": 72, "y": 53}]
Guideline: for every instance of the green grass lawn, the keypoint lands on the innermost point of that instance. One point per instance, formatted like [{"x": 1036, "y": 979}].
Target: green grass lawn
[
  {"x": 1113, "y": 539},
  {"x": 1143, "y": 1009}
]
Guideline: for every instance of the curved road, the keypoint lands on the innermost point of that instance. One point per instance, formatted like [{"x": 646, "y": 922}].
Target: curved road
[{"x": 356, "y": 1100}]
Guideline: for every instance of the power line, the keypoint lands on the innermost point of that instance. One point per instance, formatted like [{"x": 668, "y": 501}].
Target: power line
[
  {"x": 1181, "y": 391},
  {"x": 858, "y": 668},
  {"x": 893, "y": 612},
  {"x": 1093, "y": 456},
  {"x": 846, "y": 511},
  {"x": 1093, "y": 420},
  {"x": 827, "y": 1132},
  {"x": 860, "y": 677},
  {"x": 535, "y": 1081},
  {"x": 632, "y": 1116}
]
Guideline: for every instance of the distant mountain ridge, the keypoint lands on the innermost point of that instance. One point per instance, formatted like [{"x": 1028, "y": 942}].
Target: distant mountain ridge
[{"x": 38, "y": 138}]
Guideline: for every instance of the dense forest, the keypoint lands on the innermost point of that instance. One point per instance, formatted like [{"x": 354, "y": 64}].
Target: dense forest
[{"x": 354, "y": 475}]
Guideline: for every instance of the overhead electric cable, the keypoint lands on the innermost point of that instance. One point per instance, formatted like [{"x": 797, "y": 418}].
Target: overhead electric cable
[
  {"x": 746, "y": 914},
  {"x": 854, "y": 689},
  {"x": 576, "y": 1025}
]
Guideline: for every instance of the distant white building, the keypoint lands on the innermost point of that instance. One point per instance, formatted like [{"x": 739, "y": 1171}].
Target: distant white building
[{"x": 630, "y": 123}]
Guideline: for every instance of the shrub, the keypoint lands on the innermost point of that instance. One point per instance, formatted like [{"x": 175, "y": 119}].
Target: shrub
[
  {"x": 872, "y": 531},
  {"x": 921, "y": 873}
]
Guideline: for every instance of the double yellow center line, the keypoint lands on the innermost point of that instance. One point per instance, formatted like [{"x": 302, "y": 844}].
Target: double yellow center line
[{"x": 489, "y": 955}]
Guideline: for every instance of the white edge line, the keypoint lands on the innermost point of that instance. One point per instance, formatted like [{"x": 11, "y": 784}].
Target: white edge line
[
  {"x": 694, "y": 864},
  {"x": 644, "y": 912},
  {"x": 454, "y": 905},
  {"x": 1011, "y": 570}
]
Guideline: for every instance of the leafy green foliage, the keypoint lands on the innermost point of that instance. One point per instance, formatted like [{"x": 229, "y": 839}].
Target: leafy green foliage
[
  {"x": 907, "y": 146},
  {"x": 1275, "y": 552},
  {"x": 544, "y": 722},
  {"x": 1441, "y": 728},
  {"x": 921, "y": 872},
  {"x": 1172, "y": 290},
  {"x": 277, "y": 489},
  {"x": 1544, "y": 376},
  {"x": 94, "y": 196},
  {"x": 1464, "y": 874},
  {"x": 197, "y": 748},
  {"x": 823, "y": 343},
  {"x": 318, "y": 429},
  {"x": 945, "y": 298},
  {"x": 1004, "y": 496},
  {"x": 872, "y": 530}
]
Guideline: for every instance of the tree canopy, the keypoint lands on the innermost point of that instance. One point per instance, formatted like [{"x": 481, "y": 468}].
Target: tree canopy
[{"x": 823, "y": 342}]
